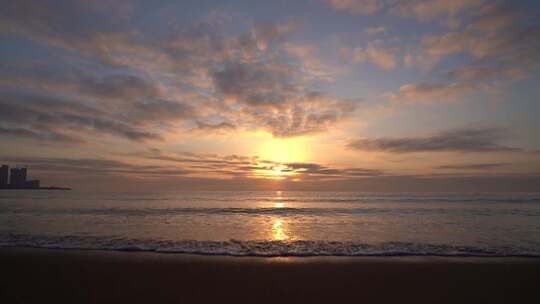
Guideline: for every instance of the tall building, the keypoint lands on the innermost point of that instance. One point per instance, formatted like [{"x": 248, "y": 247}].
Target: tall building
[
  {"x": 15, "y": 178},
  {"x": 18, "y": 178},
  {"x": 4, "y": 174}
]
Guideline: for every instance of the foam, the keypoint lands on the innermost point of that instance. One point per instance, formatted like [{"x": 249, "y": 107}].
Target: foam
[{"x": 261, "y": 248}]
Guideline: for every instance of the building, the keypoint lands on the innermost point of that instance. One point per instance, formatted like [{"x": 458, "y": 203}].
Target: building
[
  {"x": 4, "y": 176},
  {"x": 17, "y": 178}
]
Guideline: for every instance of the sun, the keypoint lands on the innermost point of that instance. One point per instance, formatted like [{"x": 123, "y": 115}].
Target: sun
[
  {"x": 276, "y": 153},
  {"x": 273, "y": 171},
  {"x": 286, "y": 150}
]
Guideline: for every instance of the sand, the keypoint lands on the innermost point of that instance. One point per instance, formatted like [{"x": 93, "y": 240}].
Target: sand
[{"x": 77, "y": 276}]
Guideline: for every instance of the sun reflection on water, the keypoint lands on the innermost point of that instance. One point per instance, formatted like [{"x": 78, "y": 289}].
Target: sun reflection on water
[
  {"x": 278, "y": 231},
  {"x": 279, "y": 205},
  {"x": 278, "y": 198}
]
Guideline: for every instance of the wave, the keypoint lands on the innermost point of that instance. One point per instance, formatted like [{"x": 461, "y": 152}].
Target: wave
[
  {"x": 283, "y": 211},
  {"x": 313, "y": 198},
  {"x": 262, "y": 248},
  {"x": 393, "y": 199}
]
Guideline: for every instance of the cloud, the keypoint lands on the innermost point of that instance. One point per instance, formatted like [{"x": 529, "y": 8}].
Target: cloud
[
  {"x": 126, "y": 87},
  {"x": 375, "y": 30},
  {"x": 501, "y": 43},
  {"x": 94, "y": 166},
  {"x": 111, "y": 174},
  {"x": 460, "y": 140},
  {"x": 268, "y": 33},
  {"x": 270, "y": 98},
  {"x": 499, "y": 34},
  {"x": 78, "y": 101},
  {"x": 356, "y": 7},
  {"x": 495, "y": 16},
  {"x": 44, "y": 136},
  {"x": 430, "y": 92},
  {"x": 192, "y": 73},
  {"x": 122, "y": 9},
  {"x": 310, "y": 63},
  {"x": 72, "y": 25},
  {"x": 382, "y": 58},
  {"x": 483, "y": 72},
  {"x": 257, "y": 84},
  {"x": 482, "y": 166},
  {"x": 298, "y": 122},
  {"x": 313, "y": 169},
  {"x": 56, "y": 119},
  {"x": 222, "y": 126},
  {"x": 427, "y": 10},
  {"x": 255, "y": 167},
  {"x": 160, "y": 111}
]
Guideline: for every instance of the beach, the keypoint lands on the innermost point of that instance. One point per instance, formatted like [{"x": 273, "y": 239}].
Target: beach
[{"x": 92, "y": 276}]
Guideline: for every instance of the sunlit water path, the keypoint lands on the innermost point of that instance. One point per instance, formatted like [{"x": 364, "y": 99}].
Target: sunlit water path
[{"x": 274, "y": 223}]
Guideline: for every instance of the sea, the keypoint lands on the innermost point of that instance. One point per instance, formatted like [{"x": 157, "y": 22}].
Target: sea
[{"x": 274, "y": 223}]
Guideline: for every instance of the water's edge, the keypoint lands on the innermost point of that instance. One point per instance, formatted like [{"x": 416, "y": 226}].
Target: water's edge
[{"x": 262, "y": 248}]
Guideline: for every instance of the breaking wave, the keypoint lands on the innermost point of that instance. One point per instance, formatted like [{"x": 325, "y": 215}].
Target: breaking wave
[
  {"x": 261, "y": 248},
  {"x": 283, "y": 211}
]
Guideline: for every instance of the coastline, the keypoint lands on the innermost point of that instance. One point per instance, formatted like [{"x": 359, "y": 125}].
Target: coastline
[
  {"x": 40, "y": 188},
  {"x": 92, "y": 276}
]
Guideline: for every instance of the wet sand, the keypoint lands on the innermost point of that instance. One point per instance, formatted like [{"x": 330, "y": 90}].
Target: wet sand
[{"x": 76, "y": 276}]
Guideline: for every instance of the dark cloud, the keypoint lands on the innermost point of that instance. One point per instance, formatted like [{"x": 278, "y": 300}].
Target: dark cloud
[
  {"x": 126, "y": 87},
  {"x": 174, "y": 164},
  {"x": 500, "y": 35},
  {"x": 245, "y": 83},
  {"x": 304, "y": 114},
  {"x": 106, "y": 126},
  {"x": 78, "y": 25},
  {"x": 461, "y": 140},
  {"x": 43, "y": 136},
  {"x": 255, "y": 167},
  {"x": 298, "y": 122},
  {"x": 222, "y": 126},
  {"x": 483, "y": 166},
  {"x": 201, "y": 159},
  {"x": 77, "y": 172},
  {"x": 313, "y": 169},
  {"x": 50, "y": 118},
  {"x": 256, "y": 84},
  {"x": 160, "y": 111},
  {"x": 94, "y": 166}
]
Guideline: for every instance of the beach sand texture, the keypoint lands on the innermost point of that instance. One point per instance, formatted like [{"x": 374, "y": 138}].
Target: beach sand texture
[{"x": 78, "y": 276}]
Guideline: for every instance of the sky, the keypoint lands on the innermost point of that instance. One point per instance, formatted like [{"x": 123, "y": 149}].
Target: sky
[{"x": 367, "y": 95}]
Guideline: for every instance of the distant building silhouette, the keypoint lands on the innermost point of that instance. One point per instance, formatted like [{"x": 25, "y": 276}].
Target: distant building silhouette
[
  {"x": 4, "y": 176},
  {"x": 17, "y": 178}
]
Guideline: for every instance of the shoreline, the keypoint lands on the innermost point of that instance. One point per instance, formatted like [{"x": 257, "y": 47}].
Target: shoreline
[
  {"x": 32, "y": 275},
  {"x": 40, "y": 188}
]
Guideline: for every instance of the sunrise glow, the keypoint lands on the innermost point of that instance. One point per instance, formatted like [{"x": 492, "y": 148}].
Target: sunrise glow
[
  {"x": 284, "y": 150},
  {"x": 319, "y": 95},
  {"x": 269, "y": 151}
]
